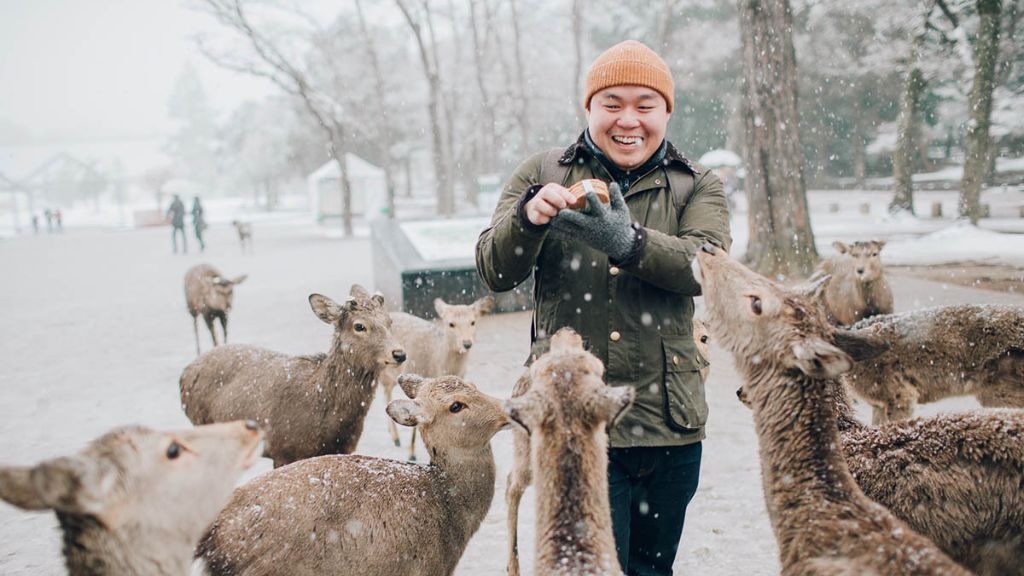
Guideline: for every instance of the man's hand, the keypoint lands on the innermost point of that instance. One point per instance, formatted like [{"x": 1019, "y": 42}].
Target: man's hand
[
  {"x": 605, "y": 228},
  {"x": 547, "y": 203}
]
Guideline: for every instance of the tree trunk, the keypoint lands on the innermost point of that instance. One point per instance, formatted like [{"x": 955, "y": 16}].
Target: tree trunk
[
  {"x": 858, "y": 143},
  {"x": 524, "y": 105},
  {"x": 979, "y": 104},
  {"x": 487, "y": 127},
  {"x": 781, "y": 241},
  {"x": 445, "y": 191},
  {"x": 906, "y": 139},
  {"x": 382, "y": 110},
  {"x": 577, "y": 42}
]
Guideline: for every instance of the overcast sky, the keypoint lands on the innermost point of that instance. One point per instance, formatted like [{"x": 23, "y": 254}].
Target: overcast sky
[{"x": 102, "y": 69}]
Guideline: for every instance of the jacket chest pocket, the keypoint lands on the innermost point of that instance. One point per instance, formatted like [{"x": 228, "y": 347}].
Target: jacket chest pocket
[{"x": 684, "y": 405}]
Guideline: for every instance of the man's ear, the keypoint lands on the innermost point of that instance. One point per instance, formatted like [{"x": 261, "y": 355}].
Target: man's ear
[
  {"x": 816, "y": 358},
  {"x": 526, "y": 411},
  {"x": 406, "y": 412},
  {"x": 861, "y": 345}
]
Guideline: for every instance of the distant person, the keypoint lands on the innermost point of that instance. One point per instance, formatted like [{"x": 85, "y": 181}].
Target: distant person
[
  {"x": 35, "y": 223},
  {"x": 58, "y": 216},
  {"x": 48, "y": 214},
  {"x": 199, "y": 222},
  {"x": 176, "y": 214}
]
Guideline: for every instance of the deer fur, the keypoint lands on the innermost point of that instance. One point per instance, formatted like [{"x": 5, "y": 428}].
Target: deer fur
[
  {"x": 136, "y": 501},
  {"x": 209, "y": 294},
  {"x": 370, "y": 516},
  {"x": 565, "y": 412},
  {"x": 858, "y": 288},
  {"x": 244, "y": 230},
  {"x": 964, "y": 349},
  {"x": 437, "y": 348},
  {"x": 954, "y": 478},
  {"x": 783, "y": 346},
  {"x": 309, "y": 405},
  {"x": 521, "y": 475}
]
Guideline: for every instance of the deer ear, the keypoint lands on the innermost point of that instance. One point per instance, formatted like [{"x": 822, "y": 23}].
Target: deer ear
[
  {"x": 440, "y": 306},
  {"x": 359, "y": 292},
  {"x": 860, "y": 344},
  {"x": 880, "y": 244},
  {"x": 326, "y": 310},
  {"x": 817, "y": 358},
  {"x": 410, "y": 384},
  {"x": 526, "y": 411},
  {"x": 614, "y": 401},
  {"x": 239, "y": 279},
  {"x": 814, "y": 288},
  {"x": 839, "y": 246},
  {"x": 406, "y": 412},
  {"x": 484, "y": 305},
  {"x": 378, "y": 299},
  {"x": 69, "y": 484}
]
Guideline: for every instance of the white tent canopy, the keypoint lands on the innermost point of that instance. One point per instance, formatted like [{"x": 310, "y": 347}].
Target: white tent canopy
[
  {"x": 719, "y": 158},
  {"x": 369, "y": 191}
]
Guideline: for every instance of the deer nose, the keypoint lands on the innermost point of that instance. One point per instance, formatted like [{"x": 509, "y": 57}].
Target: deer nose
[
  {"x": 467, "y": 344},
  {"x": 251, "y": 425},
  {"x": 860, "y": 270},
  {"x": 708, "y": 247},
  {"x": 398, "y": 355}
]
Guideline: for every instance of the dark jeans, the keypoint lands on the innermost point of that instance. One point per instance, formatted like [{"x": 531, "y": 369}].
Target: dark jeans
[
  {"x": 649, "y": 489},
  {"x": 174, "y": 238}
]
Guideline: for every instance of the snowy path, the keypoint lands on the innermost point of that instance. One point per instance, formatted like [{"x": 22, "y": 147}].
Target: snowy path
[{"x": 95, "y": 334}]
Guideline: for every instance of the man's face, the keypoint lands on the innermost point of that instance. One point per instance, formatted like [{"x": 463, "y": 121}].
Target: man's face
[{"x": 627, "y": 123}]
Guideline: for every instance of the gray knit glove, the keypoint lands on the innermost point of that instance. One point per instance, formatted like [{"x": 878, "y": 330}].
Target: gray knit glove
[{"x": 605, "y": 228}]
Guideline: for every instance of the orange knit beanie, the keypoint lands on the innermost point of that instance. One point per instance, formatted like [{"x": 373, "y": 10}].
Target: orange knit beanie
[{"x": 631, "y": 63}]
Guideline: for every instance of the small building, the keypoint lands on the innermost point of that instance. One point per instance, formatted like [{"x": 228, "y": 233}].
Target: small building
[{"x": 369, "y": 189}]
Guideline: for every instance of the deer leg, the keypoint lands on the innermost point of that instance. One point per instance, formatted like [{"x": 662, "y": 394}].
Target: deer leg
[
  {"x": 518, "y": 479},
  {"x": 195, "y": 329},
  {"x": 412, "y": 446},
  {"x": 388, "y": 384},
  {"x": 209, "y": 326},
  {"x": 224, "y": 326}
]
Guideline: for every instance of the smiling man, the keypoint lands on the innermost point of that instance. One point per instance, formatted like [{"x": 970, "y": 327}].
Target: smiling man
[{"x": 619, "y": 274}]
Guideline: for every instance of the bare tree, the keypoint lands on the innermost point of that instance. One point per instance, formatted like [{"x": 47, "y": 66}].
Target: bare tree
[
  {"x": 273, "y": 64},
  {"x": 781, "y": 240},
  {"x": 524, "y": 105},
  {"x": 382, "y": 109},
  {"x": 445, "y": 190},
  {"x": 976, "y": 143},
  {"x": 577, "y": 42}
]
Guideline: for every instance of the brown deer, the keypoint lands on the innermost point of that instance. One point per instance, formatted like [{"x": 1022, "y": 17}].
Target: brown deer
[
  {"x": 370, "y": 516},
  {"x": 784, "y": 348},
  {"x": 565, "y": 413},
  {"x": 437, "y": 348},
  {"x": 309, "y": 405},
  {"x": 857, "y": 288},
  {"x": 136, "y": 501},
  {"x": 244, "y": 230},
  {"x": 209, "y": 294}
]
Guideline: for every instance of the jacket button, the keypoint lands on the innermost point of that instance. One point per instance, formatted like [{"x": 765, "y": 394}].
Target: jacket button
[
  {"x": 675, "y": 360},
  {"x": 614, "y": 270},
  {"x": 615, "y": 336},
  {"x": 657, "y": 181}
]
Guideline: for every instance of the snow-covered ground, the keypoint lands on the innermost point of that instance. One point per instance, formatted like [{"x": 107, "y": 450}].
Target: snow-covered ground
[{"x": 95, "y": 334}]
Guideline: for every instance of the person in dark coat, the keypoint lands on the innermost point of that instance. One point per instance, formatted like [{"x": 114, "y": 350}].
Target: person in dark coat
[
  {"x": 199, "y": 222},
  {"x": 176, "y": 214},
  {"x": 619, "y": 275}
]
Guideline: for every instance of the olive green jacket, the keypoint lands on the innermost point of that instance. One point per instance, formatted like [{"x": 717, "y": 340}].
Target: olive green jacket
[{"x": 637, "y": 319}]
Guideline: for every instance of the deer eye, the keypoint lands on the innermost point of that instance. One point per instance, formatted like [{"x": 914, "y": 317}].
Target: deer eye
[
  {"x": 173, "y": 451},
  {"x": 755, "y": 305},
  {"x": 456, "y": 407},
  {"x": 703, "y": 339},
  {"x": 472, "y": 323},
  {"x": 359, "y": 327},
  {"x": 451, "y": 324}
]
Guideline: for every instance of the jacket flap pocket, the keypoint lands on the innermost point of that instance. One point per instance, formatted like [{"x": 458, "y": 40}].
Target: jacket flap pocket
[{"x": 681, "y": 354}]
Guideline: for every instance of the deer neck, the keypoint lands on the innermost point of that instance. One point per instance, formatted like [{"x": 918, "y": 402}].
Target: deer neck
[
  {"x": 468, "y": 477},
  {"x": 91, "y": 549},
  {"x": 340, "y": 368},
  {"x": 801, "y": 462},
  {"x": 573, "y": 513},
  {"x": 845, "y": 419}
]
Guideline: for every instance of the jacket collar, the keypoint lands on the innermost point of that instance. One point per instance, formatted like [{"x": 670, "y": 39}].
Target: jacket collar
[{"x": 672, "y": 155}]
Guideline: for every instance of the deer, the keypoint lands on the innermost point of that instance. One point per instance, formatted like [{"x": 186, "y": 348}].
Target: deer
[{"x": 209, "y": 294}]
